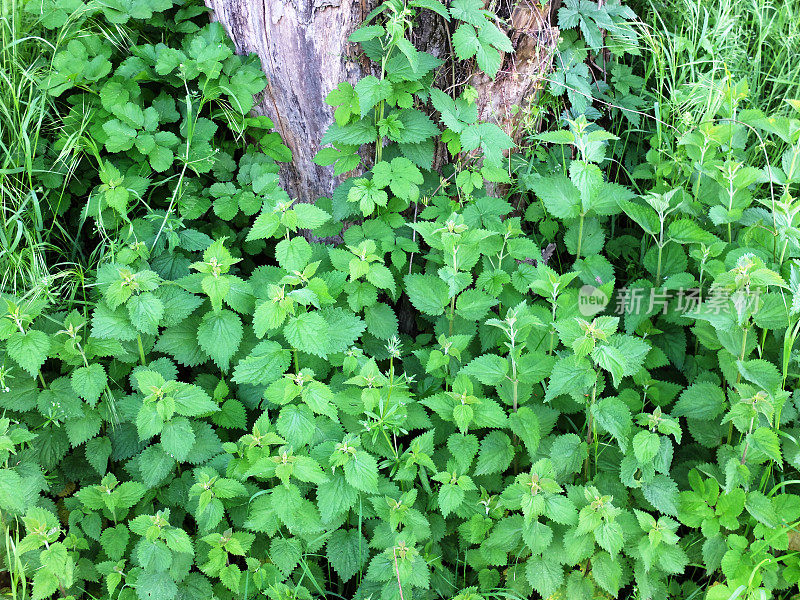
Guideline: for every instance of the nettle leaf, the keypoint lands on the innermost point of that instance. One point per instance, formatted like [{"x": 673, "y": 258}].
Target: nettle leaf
[
  {"x": 427, "y": 293},
  {"x": 571, "y": 374},
  {"x": 613, "y": 415},
  {"x": 308, "y": 332},
  {"x": 361, "y": 471},
  {"x": 293, "y": 254},
  {"x": 265, "y": 363},
  {"x": 89, "y": 382},
  {"x": 702, "y": 400},
  {"x": 285, "y": 553},
  {"x": 367, "y": 194},
  {"x": 402, "y": 177},
  {"x": 545, "y": 574},
  {"x": 496, "y": 453},
  {"x": 154, "y": 465},
  {"x": 474, "y": 304},
  {"x": 29, "y": 349},
  {"x": 145, "y": 311},
  {"x": 765, "y": 440},
  {"x": 296, "y": 423},
  {"x": 662, "y": 493},
  {"x": 219, "y": 335},
  {"x": 371, "y": 91},
  {"x": 489, "y": 369},
  {"x": 345, "y": 328},
  {"x": 193, "y": 401},
  {"x": 177, "y": 438},
  {"x": 490, "y": 138},
  {"x": 348, "y": 551},
  {"x": 646, "y": 445}
]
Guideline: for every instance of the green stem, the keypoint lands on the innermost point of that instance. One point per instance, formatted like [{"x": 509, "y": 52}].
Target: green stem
[
  {"x": 452, "y": 315},
  {"x": 658, "y": 269},
  {"x": 738, "y": 378},
  {"x": 552, "y": 327},
  {"x": 580, "y": 238},
  {"x": 590, "y": 436},
  {"x": 141, "y": 350}
]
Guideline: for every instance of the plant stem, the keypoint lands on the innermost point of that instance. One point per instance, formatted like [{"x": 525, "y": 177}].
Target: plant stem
[
  {"x": 590, "y": 437},
  {"x": 141, "y": 350}
]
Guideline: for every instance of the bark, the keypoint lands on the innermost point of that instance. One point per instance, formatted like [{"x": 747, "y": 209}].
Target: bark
[
  {"x": 504, "y": 99},
  {"x": 305, "y": 53}
]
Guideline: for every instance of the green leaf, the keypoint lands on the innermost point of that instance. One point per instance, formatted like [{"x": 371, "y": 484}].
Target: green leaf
[
  {"x": 662, "y": 493},
  {"x": 193, "y": 401},
  {"x": 361, "y": 471},
  {"x": 145, "y": 311},
  {"x": 156, "y": 585},
  {"x": 89, "y": 382},
  {"x": 766, "y": 441},
  {"x": 560, "y": 196},
  {"x": 371, "y": 90},
  {"x": 545, "y": 574},
  {"x": 219, "y": 335},
  {"x": 177, "y": 438},
  {"x": 495, "y": 454},
  {"x": 450, "y": 498},
  {"x": 427, "y": 293},
  {"x": 367, "y": 194},
  {"x": 285, "y": 553},
  {"x": 154, "y": 465},
  {"x": 613, "y": 415},
  {"x": 266, "y": 362},
  {"x": 296, "y": 423},
  {"x": 473, "y": 304},
  {"x": 571, "y": 374},
  {"x": 310, "y": 216},
  {"x": 308, "y": 332},
  {"x": 489, "y": 369},
  {"x": 381, "y": 321},
  {"x": 761, "y": 508},
  {"x": 28, "y": 349},
  {"x": 294, "y": 254},
  {"x": 607, "y": 572},
  {"x": 645, "y": 446},
  {"x": 402, "y": 177},
  {"x": 347, "y": 551},
  {"x": 701, "y": 400},
  {"x": 525, "y": 425}
]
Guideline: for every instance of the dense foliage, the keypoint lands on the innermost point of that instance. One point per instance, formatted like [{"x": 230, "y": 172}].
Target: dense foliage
[{"x": 560, "y": 370}]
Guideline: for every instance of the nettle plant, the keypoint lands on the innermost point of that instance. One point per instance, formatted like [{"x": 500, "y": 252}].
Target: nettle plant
[{"x": 419, "y": 409}]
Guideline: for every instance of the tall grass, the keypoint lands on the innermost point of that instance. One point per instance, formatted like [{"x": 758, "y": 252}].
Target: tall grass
[
  {"x": 36, "y": 250},
  {"x": 757, "y": 41},
  {"x": 700, "y": 58}
]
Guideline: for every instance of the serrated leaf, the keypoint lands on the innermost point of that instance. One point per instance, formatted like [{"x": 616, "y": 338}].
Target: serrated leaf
[
  {"x": 219, "y": 335},
  {"x": 28, "y": 349},
  {"x": 347, "y": 551},
  {"x": 495, "y": 454},
  {"x": 489, "y": 369},
  {"x": 308, "y": 332},
  {"x": 427, "y": 293}
]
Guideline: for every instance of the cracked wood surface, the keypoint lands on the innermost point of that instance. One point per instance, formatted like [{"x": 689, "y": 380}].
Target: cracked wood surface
[{"x": 305, "y": 53}]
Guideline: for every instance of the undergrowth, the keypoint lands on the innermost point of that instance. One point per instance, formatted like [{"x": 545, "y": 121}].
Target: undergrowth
[{"x": 563, "y": 368}]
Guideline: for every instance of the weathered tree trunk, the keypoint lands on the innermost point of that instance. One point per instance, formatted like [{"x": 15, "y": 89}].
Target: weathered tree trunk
[
  {"x": 305, "y": 53},
  {"x": 503, "y": 100}
]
